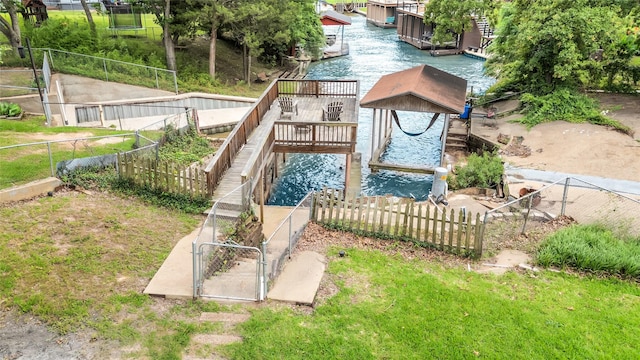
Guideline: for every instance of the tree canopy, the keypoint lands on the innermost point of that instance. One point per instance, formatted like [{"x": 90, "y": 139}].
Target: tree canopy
[
  {"x": 543, "y": 45},
  {"x": 451, "y": 17}
]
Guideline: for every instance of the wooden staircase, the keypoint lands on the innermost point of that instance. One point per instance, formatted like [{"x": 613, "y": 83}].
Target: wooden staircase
[{"x": 457, "y": 137}]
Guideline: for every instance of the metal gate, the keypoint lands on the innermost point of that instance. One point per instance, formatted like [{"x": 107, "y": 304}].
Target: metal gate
[{"x": 229, "y": 271}]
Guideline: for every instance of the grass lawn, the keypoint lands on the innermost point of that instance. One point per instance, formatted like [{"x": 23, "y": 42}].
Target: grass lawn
[
  {"x": 80, "y": 261},
  {"x": 388, "y": 307},
  {"x": 23, "y": 164}
]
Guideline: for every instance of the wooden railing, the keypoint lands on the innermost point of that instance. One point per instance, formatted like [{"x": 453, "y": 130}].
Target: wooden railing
[
  {"x": 319, "y": 88},
  {"x": 453, "y": 231},
  {"x": 315, "y": 137},
  {"x": 166, "y": 176},
  {"x": 223, "y": 159},
  {"x": 257, "y": 161},
  {"x": 282, "y": 87}
]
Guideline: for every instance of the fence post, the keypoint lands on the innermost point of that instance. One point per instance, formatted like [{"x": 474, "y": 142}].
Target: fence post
[
  {"x": 194, "y": 248},
  {"x": 50, "y": 158},
  {"x": 290, "y": 234},
  {"x": 564, "y": 195},
  {"x": 175, "y": 81},
  {"x": 265, "y": 279},
  {"x": 157, "y": 84},
  {"x": 104, "y": 65},
  {"x": 137, "y": 143},
  {"x": 529, "y": 202}
]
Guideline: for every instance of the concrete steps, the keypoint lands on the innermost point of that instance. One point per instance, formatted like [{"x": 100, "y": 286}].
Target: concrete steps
[{"x": 203, "y": 345}]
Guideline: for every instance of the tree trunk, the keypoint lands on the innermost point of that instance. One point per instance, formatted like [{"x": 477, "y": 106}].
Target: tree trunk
[
  {"x": 244, "y": 62},
  {"x": 249, "y": 69},
  {"x": 11, "y": 30},
  {"x": 87, "y": 12},
  {"x": 169, "y": 48},
  {"x": 212, "y": 51}
]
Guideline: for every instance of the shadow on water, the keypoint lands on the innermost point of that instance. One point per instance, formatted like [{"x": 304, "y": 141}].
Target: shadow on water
[{"x": 374, "y": 52}]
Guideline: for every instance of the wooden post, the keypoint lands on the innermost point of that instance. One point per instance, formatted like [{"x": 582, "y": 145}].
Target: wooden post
[
  {"x": 359, "y": 220},
  {"x": 373, "y": 133},
  {"x": 353, "y": 210},
  {"x": 375, "y": 215},
  {"x": 451, "y": 219},
  {"x": 445, "y": 131},
  {"x": 347, "y": 173},
  {"x": 261, "y": 196}
]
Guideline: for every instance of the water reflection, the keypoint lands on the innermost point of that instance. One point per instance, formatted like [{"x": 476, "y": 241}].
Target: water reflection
[{"x": 375, "y": 52}]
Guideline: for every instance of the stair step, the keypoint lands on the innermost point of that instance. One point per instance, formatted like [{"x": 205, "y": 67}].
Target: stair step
[
  {"x": 224, "y": 317},
  {"x": 225, "y": 214},
  {"x": 456, "y": 146}
]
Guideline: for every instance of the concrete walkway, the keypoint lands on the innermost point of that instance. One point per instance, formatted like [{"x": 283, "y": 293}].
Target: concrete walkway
[{"x": 298, "y": 282}]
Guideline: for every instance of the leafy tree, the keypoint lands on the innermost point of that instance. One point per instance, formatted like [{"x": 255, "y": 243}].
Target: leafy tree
[
  {"x": 453, "y": 17},
  {"x": 548, "y": 44},
  {"x": 210, "y": 15},
  {"x": 250, "y": 19},
  {"x": 11, "y": 29},
  {"x": 172, "y": 17},
  {"x": 87, "y": 12}
]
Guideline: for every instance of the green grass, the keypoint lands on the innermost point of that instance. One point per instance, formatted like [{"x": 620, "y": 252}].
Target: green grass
[
  {"x": 23, "y": 164},
  {"x": 565, "y": 105},
  {"x": 388, "y": 307},
  {"x": 80, "y": 262},
  {"x": 592, "y": 248}
]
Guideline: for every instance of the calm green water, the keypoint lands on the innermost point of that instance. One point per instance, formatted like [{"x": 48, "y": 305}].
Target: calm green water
[{"x": 374, "y": 52}]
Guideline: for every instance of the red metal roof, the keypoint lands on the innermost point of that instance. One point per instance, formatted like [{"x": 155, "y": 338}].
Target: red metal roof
[
  {"x": 331, "y": 17},
  {"x": 422, "y": 88}
]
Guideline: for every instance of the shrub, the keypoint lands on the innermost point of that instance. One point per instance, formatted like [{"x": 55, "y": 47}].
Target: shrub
[
  {"x": 593, "y": 248},
  {"x": 563, "y": 104},
  {"x": 186, "y": 148},
  {"x": 483, "y": 171},
  {"x": 10, "y": 109}
]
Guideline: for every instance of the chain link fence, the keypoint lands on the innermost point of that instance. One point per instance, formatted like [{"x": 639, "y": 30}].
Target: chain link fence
[
  {"x": 210, "y": 247},
  {"x": 23, "y": 163},
  {"x": 112, "y": 70},
  {"x": 582, "y": 201},
  {"x": 16, "y": 82},
  {"x": 280, "y": 245}
]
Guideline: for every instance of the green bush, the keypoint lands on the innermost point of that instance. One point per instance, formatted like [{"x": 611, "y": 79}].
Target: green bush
[
  {"x": 565, "y": 105},
  {"x": 483, "y": 171},
  {"x": 592, "y": 248},
  {"x": 9, "y": 109},
  {"x": 184, "y": 149}
]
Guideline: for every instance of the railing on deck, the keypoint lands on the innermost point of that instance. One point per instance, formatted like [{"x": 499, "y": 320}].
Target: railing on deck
[
  {"x": 322, "y": 137},
  {"x": 318, "y": 88},
  {"x": 257, "y": 161},
  {"x": 238, "y": 137},
  {"x": 400, "y": 218}
]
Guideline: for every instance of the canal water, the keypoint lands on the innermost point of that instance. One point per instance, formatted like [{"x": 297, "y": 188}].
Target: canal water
[{"x": 374, "y": 52}]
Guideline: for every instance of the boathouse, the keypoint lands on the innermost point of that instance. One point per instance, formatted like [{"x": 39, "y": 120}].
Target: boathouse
[
  {"x": 382, "y": 13},
  {"x": 412, "y": 30},
  {"x": 336, "y": 45},
  {"x": 420, "y": 89}
]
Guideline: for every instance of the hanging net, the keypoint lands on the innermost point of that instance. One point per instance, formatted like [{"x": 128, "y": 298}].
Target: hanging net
[{"x": 433, "y": 121}]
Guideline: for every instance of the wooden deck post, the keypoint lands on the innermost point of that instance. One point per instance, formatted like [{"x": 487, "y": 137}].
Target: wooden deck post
[
  {"x": 445, "y": 131},
  {"x": 347, "y": 173}
]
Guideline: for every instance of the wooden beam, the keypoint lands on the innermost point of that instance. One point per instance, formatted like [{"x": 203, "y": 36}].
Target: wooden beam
[{"x": 375, "y": 166}]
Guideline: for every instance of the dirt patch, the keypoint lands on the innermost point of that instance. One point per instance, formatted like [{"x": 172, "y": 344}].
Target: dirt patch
[
  {"x": 507, "y": 233},
  {"x": 581, "y": 149}
]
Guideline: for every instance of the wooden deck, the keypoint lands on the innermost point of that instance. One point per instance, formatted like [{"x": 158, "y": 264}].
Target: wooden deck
[{"x": 304, "y": 132}]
